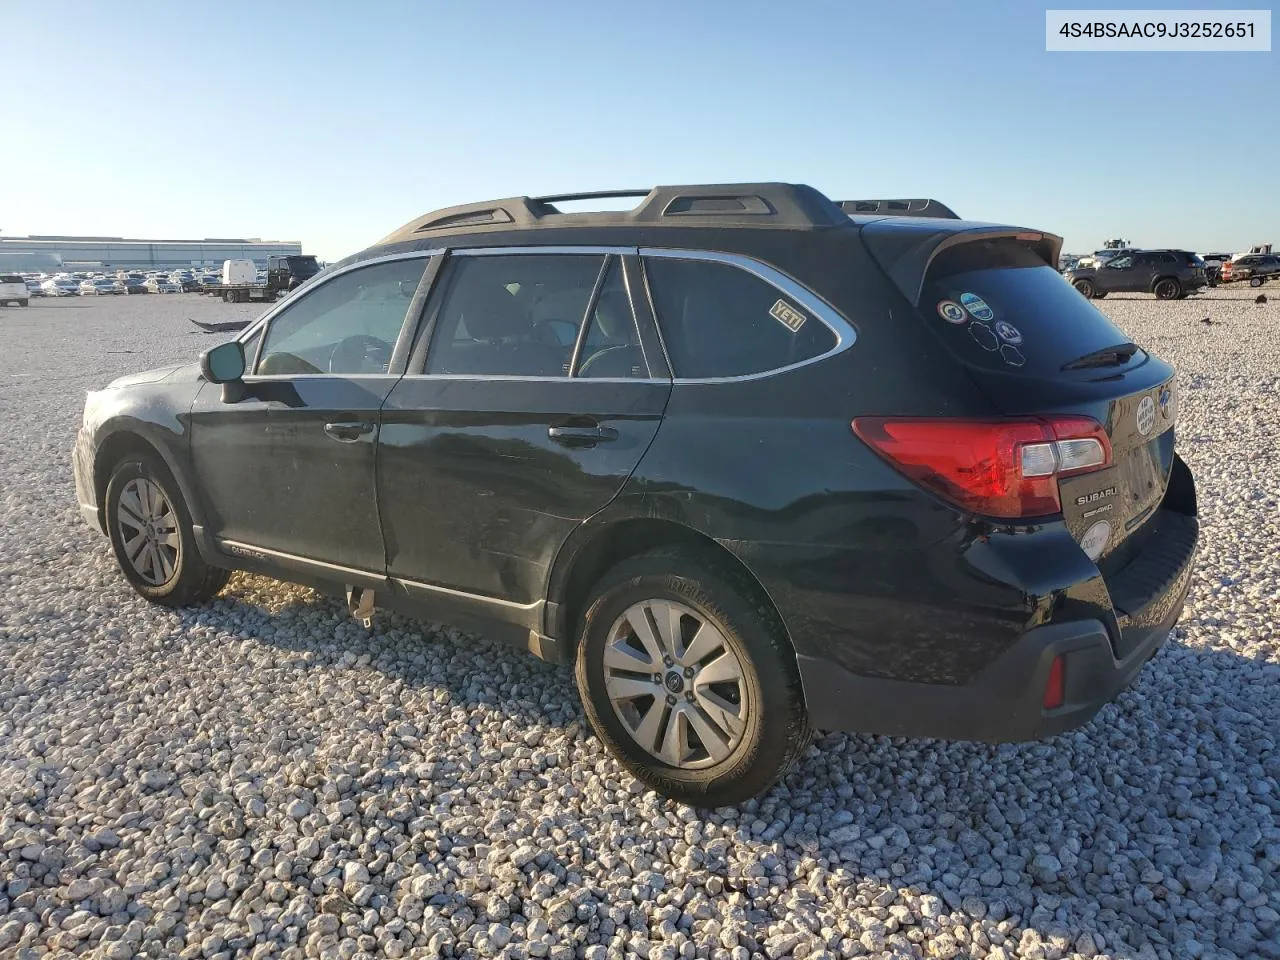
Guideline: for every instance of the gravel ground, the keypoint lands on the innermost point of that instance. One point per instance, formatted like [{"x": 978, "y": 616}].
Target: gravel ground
[{"x": 261, "y": 777}]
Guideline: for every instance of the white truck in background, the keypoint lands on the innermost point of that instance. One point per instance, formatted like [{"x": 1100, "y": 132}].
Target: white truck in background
[{"x": 240, "y": 282}]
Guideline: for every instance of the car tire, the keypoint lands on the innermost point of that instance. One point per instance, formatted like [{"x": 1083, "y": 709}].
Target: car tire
[
  {"x": 1255, "y": 281},
  {"x": 24, "y": 303},
  {"x": 1086, "y": 289},
  {"x": 1167, "y": 289},
  {"x": 170, "y": 573},
  {"x": 754, "y": 719}
]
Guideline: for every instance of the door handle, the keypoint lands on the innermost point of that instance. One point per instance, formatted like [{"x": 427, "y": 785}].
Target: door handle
[
  {"x": 582, "y": 436},
  {"x": 348, "y": 431}
]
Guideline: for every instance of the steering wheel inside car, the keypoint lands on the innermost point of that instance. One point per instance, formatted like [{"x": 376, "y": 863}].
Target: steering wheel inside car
[{"x": 360, "y": 353}]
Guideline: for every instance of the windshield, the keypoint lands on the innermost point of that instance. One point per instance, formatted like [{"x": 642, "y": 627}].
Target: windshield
[{"x": 999, "y": 306}]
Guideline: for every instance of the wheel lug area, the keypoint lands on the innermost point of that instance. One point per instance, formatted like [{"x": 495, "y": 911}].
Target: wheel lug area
[
  {"x": 668, "y": 661},
  {"x": 671, "y": 699},
  {"x": 688, "y": 672}
]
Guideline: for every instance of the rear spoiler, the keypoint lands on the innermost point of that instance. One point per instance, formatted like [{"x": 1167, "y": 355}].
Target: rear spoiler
[
  {"x": 906, "y": 249},
  {"x": 916, "y": 207}
]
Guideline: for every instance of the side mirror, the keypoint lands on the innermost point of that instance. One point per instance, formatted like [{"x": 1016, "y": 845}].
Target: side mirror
[{"x": 224, "y": 364}]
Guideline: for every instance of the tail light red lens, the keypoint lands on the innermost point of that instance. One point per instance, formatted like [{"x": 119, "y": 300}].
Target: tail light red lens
[
  {"x": 1055, "y": 688},
  {"x": 996, "y": 468}
]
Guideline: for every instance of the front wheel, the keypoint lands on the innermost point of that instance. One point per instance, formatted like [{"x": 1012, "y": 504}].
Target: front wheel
[
  {"x": 689, "y": 679},
  {"x": 24, "y": 303},
  {"x": 1255, "y": 281},
  {"x": 1086, "y": 289},
  {"x": 151, "y": 536},
  {"x": 1167, "y": 289}
]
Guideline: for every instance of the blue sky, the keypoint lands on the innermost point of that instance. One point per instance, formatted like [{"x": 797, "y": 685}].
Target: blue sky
[{"x": 355, "y": 118}]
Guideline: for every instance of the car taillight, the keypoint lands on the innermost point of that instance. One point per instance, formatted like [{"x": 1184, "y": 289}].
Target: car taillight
[
  {"x": 995, "y": 468},
  {"x": 1055, "y": 688}
]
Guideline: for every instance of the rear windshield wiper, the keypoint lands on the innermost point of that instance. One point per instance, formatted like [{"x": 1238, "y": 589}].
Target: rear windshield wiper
[{"x": 1106, "y": 357}]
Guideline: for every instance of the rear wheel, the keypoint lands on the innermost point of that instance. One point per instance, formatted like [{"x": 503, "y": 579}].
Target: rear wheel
[
  {"x": 689, "y": 679},
  {"x": 1255, "y": 281},
  {"x": 1086, "y": 289},
  {"x": 1167, "y": 289},
  {"x": 150, "y": 531},
  {"x": 24, "y": 303}
]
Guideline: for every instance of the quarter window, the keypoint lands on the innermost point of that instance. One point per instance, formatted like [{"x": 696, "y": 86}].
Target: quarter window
[
  {"x": 513, "y": 315},
  {"x": 718, "y": 320},
  {"x": 346, "y": 326}
]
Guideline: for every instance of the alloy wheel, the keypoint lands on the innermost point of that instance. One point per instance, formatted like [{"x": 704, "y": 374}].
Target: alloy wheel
[
  {"x": 149, "y": 531},
  {"x": 677, "y": 683}
]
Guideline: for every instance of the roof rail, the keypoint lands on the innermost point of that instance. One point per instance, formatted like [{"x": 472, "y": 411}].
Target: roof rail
[
  {"x": 914, "y": 207},
  {"x": 715, "y": 205}
]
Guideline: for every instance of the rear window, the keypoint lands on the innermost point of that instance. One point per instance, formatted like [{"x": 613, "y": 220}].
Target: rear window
[
  {"x": 9, "y": 278},
  {"x": 999, "y": 306}
]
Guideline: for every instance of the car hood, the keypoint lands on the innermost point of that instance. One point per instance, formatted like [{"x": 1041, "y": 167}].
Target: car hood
[{"x": 177, "y": 373}]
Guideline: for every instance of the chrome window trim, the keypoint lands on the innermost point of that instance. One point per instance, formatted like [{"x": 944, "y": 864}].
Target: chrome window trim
[
  {"x": 321, "y": 279},
  {"x": 522, "y": 251},
  {"x": 844, "y": 331},
  {"x": 513, "y": 377}
]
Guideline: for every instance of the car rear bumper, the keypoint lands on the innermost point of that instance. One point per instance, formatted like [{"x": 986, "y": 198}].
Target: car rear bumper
[{"x": 1004, "y": 702}]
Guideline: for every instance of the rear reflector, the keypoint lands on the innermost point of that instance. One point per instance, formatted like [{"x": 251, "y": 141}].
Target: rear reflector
[
  {"x": 996, "y": 468},
  {"x": 1055, "y": 688}
]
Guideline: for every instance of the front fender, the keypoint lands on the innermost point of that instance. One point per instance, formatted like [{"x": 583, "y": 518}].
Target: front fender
[{"x": 152, "y": 415}]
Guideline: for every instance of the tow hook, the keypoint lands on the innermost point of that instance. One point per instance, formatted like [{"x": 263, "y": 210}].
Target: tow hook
[{"x": 360, "y": 605}]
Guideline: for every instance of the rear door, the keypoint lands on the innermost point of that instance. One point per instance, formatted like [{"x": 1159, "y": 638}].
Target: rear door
[{"x": 531, "y": 399}]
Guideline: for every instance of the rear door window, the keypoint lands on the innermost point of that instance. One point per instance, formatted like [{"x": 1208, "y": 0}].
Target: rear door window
[
  {"x": 718, "y": 320},
  {"x": 997, "y": 305}
]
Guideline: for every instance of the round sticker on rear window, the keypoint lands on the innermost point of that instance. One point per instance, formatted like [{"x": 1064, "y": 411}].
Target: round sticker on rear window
[
  {"x": 1008, "y": 332},
  {"x": 952, "y": 312},
  {"x": 985, "y": 336},
  {"x": 976, "y": 306}
]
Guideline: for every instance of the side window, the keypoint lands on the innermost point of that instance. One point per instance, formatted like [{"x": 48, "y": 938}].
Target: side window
[
  {"x": 1121, "y": 263},
  {"x": 1167, "y": 258},
  {"x": 611, "y": 347},
  {"x": 348, "y": 325},
  {"x": 514, "y": 316},
  {"x": 718, "y": 320}
]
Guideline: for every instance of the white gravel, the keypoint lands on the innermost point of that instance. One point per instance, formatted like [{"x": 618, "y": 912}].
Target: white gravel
[{"x": 261, "y": 777}]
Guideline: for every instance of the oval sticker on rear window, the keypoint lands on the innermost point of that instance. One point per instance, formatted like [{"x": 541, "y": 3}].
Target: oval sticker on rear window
[{"x": 976, "y": 306}]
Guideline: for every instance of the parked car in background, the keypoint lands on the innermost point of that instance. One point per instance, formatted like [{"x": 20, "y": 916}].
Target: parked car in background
[
  {"x": 162, "y": 285},
  {"x": 34, "y": 287},
  {"x": 60, "y": 287},
  {"x": 1169, "y": 274},
  {"x": 750, "y": 460},
  {"x": 13, "y": 289},
  {"x": 102, "y": 286},
  {"x": 134, "y": 285},
  {"x": 1254, "y": 267}
]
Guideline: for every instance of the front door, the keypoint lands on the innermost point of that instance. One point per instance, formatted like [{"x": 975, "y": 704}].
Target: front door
[
  {"x": 288, "y": 471},
  {"x": 533, "y": 406}
]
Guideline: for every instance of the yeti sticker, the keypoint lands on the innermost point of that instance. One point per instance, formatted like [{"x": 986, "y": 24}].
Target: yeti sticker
[
  {"x": 788, "y": 316},
  {"x": 976, "y": 306}
]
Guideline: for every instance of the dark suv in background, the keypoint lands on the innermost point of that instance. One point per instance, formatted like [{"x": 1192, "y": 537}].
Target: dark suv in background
[
  {"x": 1169, "y": 274},
  {"x": 752, "y": 460}
]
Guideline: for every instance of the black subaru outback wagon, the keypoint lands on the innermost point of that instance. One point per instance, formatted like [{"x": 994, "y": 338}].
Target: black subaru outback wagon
[{"x": 753, "y": 460}]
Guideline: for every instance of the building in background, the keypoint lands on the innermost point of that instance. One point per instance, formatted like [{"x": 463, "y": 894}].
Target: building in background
[{"x": 45, "y": 254}]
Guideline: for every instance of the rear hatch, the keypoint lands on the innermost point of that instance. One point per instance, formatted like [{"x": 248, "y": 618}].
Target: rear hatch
[{"x": 1037, "y": 349}]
